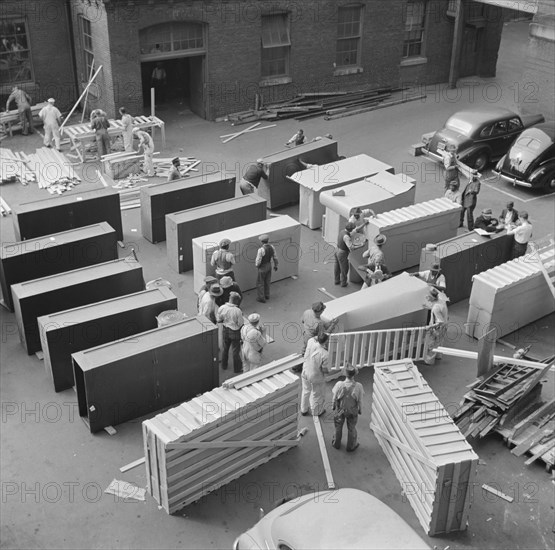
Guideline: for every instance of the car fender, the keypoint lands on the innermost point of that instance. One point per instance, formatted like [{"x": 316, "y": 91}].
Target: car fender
[
  {"x": 540, "y": 172},
  {"x": 474, "y": 150}
]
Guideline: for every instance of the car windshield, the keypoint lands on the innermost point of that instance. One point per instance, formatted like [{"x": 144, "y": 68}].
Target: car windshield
[{"x": 459, "y": 125}]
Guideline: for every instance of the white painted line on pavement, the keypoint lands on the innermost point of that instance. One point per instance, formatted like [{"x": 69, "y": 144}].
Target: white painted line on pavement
[
  {"x": 505, "y": 192},
  {"x": 540, "y": 197}
]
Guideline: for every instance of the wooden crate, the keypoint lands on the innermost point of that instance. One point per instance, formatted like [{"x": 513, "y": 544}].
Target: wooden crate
[
  {"x": 430, "y": 457},
  {"x": 194, "y": 449},
  {"x": 508, "y": 297}
]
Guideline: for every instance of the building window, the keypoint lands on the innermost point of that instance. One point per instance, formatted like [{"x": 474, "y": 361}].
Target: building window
[
  {"x": 276, "y": 46},
  {"x": 349, "y": 36},
  {"x": 414, "y": 28},
  {"x": 15, "y": 55},
  {"x": 171, "y": 39},
  {"x": 452, "y": 7},
  {"x": 87, "y": 45},
  {"x": 475, "y": 10}
]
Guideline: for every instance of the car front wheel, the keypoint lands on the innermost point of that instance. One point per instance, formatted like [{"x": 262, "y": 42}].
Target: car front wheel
[
  {"x": 480, "y": 161},
  {"x": 549, "y": 184}
]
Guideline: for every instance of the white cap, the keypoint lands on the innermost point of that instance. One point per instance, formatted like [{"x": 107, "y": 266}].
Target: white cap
[{"x": 51, "y": 100}]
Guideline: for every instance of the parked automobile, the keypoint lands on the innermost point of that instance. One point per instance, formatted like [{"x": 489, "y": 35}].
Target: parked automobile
[
  {"x": 346, "y": 519},
  {"x": 479, "y": 135},
  {"x": 530, "y": 161}
]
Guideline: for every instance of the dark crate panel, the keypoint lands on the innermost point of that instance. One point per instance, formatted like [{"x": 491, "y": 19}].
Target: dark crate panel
[
  {"x": 464, "y": 256},
  {"x": 34, "y": 258},
  {"x": 166, "y": 198},
  {"x": 79, "y": 287},
  {"x": 279, "y": 190},
  {"x": 127, "y": 379},
  {"x": 81, "y": 328},
  {"x": 183, "y": 227},
  {"x": 63, "y": 212}
]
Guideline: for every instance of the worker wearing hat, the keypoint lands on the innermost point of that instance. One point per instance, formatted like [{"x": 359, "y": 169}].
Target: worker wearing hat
[
  {"x": 208, "y": 282},
  {"x": 454, "y": 193},
  {"x": 432, "y": 276},
  {"x": 374, "y": 273},
  {"x": 127, "y": 126},
  {"x": 253, "y": 337},
  {"x": 487, "y": 222},
  {"x": 100, "y": 125},
  {"x": 469, "y": 201},
  {"x": 437, "y": 330},
  {"x": 375, "y": 253},
  {"x": 251, "y": 178},
  {"x": 231, "y": 319},
  {"x": 451, "y": 166},
  {"x": 51, "y": 119},
  {"x": 359, "y": 217},
  {"x": 147, "y": 143},
  {"x": 174, "y": 173},
  {"x": 228, "y": 285},
  {"x": 313, "y": 324},
  {"x": 313, "y": 377},
  {"x": 344, "y": 247},
  {"x": 347, "y": 404},
  {"x": 207, "y": 306},
  {"x": 223, "y": 260},
  {"x": 265, "y": 255},
  {"x": 23, "y": 101}
]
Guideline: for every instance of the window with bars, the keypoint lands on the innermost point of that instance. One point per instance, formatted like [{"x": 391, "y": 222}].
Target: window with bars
[
  {"x": 167, "y": 38},
  {"x": 87, "y": 45},
  {"x": 349, "y": 36},
  {"x": 414, "y": 28},
  {"x": 276, "y": 46},
  {"x": 15, "y": 53}
]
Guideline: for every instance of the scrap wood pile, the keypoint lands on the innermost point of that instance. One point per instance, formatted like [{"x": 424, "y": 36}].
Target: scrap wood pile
[
  {"x": 129, "y": 191},
  {"x": 331, "y": 105},
  {"x": 14, "y": 167},
  {"x": 215, "y": 438},
  {"x": 54, "y": 172},
  {"x": 493, "y": 400},
  {"x": 188, "y": 164}
]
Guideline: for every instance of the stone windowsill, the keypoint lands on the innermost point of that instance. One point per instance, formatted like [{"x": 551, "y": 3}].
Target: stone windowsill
[
  {"x": 275, "y": 81},
  {"x": 410, "y": 61},
  {"x": 343, "y": 71}
]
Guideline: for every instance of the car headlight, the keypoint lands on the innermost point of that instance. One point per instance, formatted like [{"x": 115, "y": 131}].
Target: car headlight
[{"x": 499, "y": 164}]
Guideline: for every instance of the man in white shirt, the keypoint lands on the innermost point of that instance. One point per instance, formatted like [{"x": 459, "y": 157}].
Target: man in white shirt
[
  {"x": 254, "y": 341},
  {"x": 51, "y": 118},
  {"x": 231, "y": 317},
  {"x": 315, "y": 367},
  {"x": 522, "y": 234}
]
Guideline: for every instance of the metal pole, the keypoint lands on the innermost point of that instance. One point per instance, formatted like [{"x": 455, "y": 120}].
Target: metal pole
[{"x": 457, "y": 44}]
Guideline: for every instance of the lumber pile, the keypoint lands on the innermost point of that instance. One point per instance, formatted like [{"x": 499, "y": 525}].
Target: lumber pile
[
  {"x": 430, "y": 457},
  {"x": 494, "y": 398},
  {"x": 14, "y": 167},
  {"x": 188, "y": 164},
  {"x": 54, "y": 172},
  {"x": 194, "y": 449}
]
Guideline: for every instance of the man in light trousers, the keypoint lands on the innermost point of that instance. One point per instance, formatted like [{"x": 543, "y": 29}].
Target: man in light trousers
[{"x": 315, "y": 367}]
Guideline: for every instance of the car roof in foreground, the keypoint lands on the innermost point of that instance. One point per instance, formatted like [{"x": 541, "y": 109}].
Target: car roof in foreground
[
  {"x": 480, "y": 116},
  {"x": 346, "y": 519},
  {"x": 547, "y": 128}
]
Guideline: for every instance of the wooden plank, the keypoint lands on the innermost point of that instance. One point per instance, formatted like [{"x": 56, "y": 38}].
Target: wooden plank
[
  {"x": 541, "y": 450},
  {"x": 132, "y": 465},
  {"x": 538, "y": 413},
  {"x": 497, "y": 493},
  {"x": 537, "y": 436},
  {"x": 323, "y": 452}
]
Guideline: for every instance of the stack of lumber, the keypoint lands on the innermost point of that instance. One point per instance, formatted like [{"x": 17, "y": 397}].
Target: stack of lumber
[
  {"x": 492, "y": 399},
  {"x": 188, "y": 164},
  {"x": 54, "y": 172},
  {"x": 430, "y": 457},
  {"x": 194, "y": 449},
  {"x": 121, "y": 164},
  {"x": 13, "y": 167}
]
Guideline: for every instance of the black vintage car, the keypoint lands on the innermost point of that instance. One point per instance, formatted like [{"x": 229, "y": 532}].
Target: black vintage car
[
  {"x": 479, "y": 135},
  {"x": 530, "y": 161}
]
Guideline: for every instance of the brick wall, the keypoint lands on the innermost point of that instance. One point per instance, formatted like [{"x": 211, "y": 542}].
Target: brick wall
[{"x": 48, "y": 34}]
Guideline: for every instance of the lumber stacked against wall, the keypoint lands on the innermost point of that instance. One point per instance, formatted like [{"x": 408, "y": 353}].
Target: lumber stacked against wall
[
  {"x": 53, "y": 170},
  {"x": 194, "y": 449},
  {"x": 14, "y": 167},
  {"x": 508, "y": 297},
  {"x": 430, "y": 457}
]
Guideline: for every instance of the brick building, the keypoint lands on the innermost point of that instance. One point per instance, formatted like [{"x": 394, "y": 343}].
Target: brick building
[{"x": 219, "y": 54}]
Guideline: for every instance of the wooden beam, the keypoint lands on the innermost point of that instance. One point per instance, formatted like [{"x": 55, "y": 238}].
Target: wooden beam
[
  {"x": 132, "y": 465},
  {"x": 323, "y": 452},
  {"x": 497, "y": 493}
]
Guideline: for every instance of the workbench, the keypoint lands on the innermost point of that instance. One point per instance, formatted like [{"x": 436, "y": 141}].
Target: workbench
[
  {"x": 381, "y": 192},
  {"x": 122, "y": 380},
  {"x": 182, "y": 227},
  {"x": 464, "y": 256},
  {"x": 43, "y": 256},
  {"x": 278, "y": 190},
  {"x": 312, "y": 181},
  {"x": 7, "y": 119},
  {"x": 81, "y": 134}
]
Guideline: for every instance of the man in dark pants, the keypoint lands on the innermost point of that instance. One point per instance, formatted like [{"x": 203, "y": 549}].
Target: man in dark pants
[
  {"x": 23, "y": 102},
  {"x": 344, "y": 246},
  {"x": 347, "y": 404},
  {"x": 264, "y": 257},
  {"x": 469, "y": 200},
  {"x": 251, "y": 179},
  {"x": 231, "y": 318},
  {"x": 100, "y": 125}
]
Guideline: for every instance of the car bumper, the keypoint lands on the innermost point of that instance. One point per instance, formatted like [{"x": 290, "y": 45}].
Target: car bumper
[
  {"x": 433, "y": 156},
  {"x": 514, "y": 181}
]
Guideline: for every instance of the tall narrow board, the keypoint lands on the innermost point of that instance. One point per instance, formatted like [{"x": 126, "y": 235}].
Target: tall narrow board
[
  {"x": 122, "y": 380},
  {"x": 73, "y": 330},
  {"x": 433, "y": 462},
  {"x": 182, "y": 227},
  {"x": 68, "y": 211},
  {"x": 25, "y": 260},
  {"x": 68, "y": 290},
  {"x": 165, "y": 198}
]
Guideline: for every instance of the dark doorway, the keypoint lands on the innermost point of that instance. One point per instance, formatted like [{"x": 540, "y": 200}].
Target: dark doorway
[
  {"x": 470, "y": 51},
  {"x": 184, "y": 83}
]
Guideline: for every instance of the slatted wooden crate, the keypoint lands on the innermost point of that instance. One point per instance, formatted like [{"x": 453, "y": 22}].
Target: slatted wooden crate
[
  {"x": 430, "y": 457},
  {"x": 194, "y": 449}
]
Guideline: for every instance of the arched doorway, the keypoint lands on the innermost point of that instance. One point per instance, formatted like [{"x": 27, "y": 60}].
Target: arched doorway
[{"x": 178, "y": 50}]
